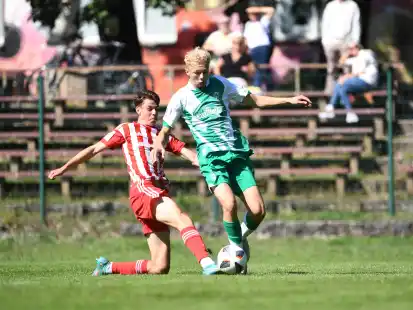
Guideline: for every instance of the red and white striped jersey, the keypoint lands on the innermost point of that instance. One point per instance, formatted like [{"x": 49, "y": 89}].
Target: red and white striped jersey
[{"x": 136, "y": 141}]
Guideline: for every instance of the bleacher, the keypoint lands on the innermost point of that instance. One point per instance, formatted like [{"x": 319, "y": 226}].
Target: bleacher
[{"x": 289, "y": 143}]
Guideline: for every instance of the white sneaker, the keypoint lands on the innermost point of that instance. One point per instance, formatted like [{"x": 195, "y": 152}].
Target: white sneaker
[
  {"x": 328, "y": 113},
  {"x": 351, "y": 117}
]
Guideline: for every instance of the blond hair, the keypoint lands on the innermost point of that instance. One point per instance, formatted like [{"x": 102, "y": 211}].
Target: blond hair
[{"x": 197, "y": 56}]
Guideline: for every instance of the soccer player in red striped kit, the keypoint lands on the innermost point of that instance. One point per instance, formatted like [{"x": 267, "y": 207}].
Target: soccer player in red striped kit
[{"x": 149, "y": 197}]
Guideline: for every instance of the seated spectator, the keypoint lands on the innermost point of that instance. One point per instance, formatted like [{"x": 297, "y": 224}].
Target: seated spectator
[
  {"x": 237, "y": 66},
  {"x": 256, "y": 32},
  {"x": 362, "y": 78},
  {"x": 218, "y": 42}
]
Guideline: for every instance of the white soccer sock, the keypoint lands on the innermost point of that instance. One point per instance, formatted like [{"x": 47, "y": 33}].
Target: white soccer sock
[
  {"x": 233, "y": 243},
  {"x": 206, "y": 261},
  {"x": 245, "y": 230}
]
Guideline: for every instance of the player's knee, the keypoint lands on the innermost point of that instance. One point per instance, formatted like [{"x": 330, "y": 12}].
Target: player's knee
[
  {"x": 263, "y": 213},
  {"x": 164, "y": 269},
  {"x": 228, "y": 204},
  {"x": 160, "y": 268},
  {"x": 229, "y": 207},
  {"x": 226, "y": 198},
  {"x": 258, "y": 211}
]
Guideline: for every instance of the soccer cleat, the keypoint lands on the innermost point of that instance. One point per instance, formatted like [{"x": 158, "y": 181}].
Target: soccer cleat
[
  {"x": 102, "y": 266},
  {"x": 211, "y": 270},
  {"x": 246, "y": 248},
  {"x": 244, "y": 271}
]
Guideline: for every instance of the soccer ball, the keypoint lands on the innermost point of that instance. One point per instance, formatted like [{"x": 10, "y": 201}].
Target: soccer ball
[{"x": 231, "y": 259}]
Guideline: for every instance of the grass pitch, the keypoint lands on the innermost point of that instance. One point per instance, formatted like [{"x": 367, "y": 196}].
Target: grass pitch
[{"x": 358, "y": 273}]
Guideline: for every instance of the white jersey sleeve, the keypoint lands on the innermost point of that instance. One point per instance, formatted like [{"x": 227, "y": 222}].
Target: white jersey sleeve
[
  {"x": 234, "y": 93},
  {"x": 173, "y": 110}
]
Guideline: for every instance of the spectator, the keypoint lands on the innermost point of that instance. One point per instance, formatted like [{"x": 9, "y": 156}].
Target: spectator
[
  {"x": 256, "y": 33},
  {"x": 237, "y": 66},
  {"x": 362, "y": 78},
  {"x": 219, "y": 42},
  {"x": 340, "y": 27}
]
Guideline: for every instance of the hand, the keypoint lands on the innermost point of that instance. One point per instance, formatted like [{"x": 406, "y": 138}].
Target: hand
[
  {"x": 56, "y": 172},
  {"x": 301, "y": 100},
  {"x": 158, "y": 152}
]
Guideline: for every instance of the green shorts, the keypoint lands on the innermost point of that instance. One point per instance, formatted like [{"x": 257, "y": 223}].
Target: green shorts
[{"x": 232, "y": 168}]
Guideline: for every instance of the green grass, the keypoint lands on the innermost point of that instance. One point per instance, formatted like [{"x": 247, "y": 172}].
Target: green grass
[{"x": 358, "y": 273}]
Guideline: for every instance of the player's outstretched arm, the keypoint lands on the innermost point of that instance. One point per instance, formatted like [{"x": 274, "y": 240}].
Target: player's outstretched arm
[
  {"x": 190, "y": 155},
  {"x": 267, "y": 101},
  {"x": 79, "y": 158}
]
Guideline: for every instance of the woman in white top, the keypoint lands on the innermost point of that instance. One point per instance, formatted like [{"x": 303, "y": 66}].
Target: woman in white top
[
  {"x": 256, "y": 33},
  {"x": 362, "y": 78}
]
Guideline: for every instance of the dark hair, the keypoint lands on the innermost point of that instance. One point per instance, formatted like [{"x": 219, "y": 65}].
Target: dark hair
[{"x": 146, "y": 94}]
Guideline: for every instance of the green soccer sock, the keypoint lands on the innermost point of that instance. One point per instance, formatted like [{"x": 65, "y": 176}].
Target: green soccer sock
[
  {"x": 233, "y": 230},
  {"x": 248, "y": 225}
]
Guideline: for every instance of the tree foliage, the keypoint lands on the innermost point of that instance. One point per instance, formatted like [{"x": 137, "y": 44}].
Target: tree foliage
[{"x": 46, "y": 11}]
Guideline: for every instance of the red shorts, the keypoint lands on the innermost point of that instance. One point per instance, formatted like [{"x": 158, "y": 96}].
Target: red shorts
[{"x": 143, "y": 204}]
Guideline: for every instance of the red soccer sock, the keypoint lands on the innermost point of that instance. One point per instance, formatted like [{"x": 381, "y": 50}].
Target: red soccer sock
[
  {"x": 139, "y": 266},
  {"x": 193, "y": 241}
]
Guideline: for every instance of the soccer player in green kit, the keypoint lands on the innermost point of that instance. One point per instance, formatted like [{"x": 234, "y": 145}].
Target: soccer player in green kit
[{"x": 223, "y": 152}]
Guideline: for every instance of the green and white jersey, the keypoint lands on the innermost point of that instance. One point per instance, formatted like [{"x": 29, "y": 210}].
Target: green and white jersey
[{"x": 207, "y": 113}]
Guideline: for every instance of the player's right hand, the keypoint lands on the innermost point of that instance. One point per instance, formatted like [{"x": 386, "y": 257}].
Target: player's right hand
[
  {"x": 157, "y": 153},
  {"x": 55, "y": 173}
]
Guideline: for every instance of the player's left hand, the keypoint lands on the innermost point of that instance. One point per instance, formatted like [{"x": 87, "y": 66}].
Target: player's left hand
[{"x": 301, "y": 100}]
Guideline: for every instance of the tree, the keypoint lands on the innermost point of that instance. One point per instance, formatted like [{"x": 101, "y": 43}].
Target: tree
[
  {"x": 106, "y": 13},
  {"x": 46, "y": 11}
]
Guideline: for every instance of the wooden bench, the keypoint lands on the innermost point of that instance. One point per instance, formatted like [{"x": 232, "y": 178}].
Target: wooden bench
[
  {"x": 245, "y": 116},
  {"x": 303, "y": 134},
  {"x": 321, "y": 94},
  {"x": 286, "y": 153},
  {"x": 271, "y": 176},
  {"x": 51, "y": 135},
  {"x": 257, "y": 114}
]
